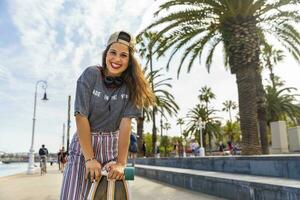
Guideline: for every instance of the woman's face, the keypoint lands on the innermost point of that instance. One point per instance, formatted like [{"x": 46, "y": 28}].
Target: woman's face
[{"x": 117, "y": 59}]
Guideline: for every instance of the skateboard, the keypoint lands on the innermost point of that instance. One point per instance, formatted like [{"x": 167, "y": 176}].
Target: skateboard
[{"x": 110, "y": 189}]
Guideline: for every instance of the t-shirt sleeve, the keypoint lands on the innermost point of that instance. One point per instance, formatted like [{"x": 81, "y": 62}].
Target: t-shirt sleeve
[
  {"x": 84, "y": 89},
  {"x": 132, "y": 111}
]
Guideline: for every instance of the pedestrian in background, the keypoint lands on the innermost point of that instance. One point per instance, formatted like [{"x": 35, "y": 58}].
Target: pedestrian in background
[
  {"x": 133, "y": 147},
  {"x": 62, "y": 159},
  {"x": 43, "y": 153}
]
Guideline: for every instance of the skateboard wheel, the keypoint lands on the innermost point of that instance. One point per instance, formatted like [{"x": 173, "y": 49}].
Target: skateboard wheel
[{"x": 129, "y": 173}]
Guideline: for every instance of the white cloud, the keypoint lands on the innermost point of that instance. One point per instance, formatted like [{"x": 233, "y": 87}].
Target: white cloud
[{"x": 58, "y": 39}]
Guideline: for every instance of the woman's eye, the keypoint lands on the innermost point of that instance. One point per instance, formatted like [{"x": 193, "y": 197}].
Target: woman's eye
[
  {"x": 124, "y": 55},
  {"x": 112, "y": 53}
]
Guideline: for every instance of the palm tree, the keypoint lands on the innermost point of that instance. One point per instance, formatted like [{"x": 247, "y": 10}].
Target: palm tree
[
  {"x": 206, "y": 95},
  {"x": 229, "y": 105},
  {"x": 180, "y": 122},
  {"x": 242, "y": 26},
  {"x": 165, "y": 142},
  {"x": 145, "y": 50},
  {"x": 200, "y": 112},
  {"x": 281, "y": 103},
  {"x": 232, "y": 131},
  {"x": 161, "y": 125},
  {"x": 261, "y": 111},
  {"x": 269, "y": 57},
  {"x": 166, "y": 126},
  {"x": 213, "y": 129},
  {"x": 164, "y": 100}
]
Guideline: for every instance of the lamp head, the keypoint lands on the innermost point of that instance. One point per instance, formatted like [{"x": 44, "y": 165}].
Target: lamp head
[{"x": 45, "y": 97}]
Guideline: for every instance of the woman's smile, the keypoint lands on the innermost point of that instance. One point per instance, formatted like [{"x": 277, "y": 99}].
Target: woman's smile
[{"x": 116, "y": 66}]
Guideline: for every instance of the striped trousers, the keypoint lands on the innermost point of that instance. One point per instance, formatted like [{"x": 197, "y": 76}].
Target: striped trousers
[{"x": 74, "y": 186}]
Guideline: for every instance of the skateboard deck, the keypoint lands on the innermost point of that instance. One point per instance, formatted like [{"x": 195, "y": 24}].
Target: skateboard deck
[
  {"x": 110, "y": 189},
  {"x": 106, "y": 189}
]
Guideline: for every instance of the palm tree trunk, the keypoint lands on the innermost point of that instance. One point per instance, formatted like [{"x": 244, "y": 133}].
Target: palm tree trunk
[
  {"x": 248, "y": 110},
  {"x": 139, "y": 128},
  {"x": 154, "y": 107},
  {"x": 241, "y": 42},
  {"x": 154, "y": 136},
  {"x": 261, "y": 113},
  {"x": 272, "y": 75},
  {"x": 204, "y": 133}
]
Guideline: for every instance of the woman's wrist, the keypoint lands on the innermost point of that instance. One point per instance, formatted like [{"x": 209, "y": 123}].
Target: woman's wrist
[
  {"x": 90, "y": 159},
  {"x": 121, "y": 164}
]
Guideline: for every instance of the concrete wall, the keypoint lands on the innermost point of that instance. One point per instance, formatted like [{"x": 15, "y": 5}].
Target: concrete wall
[
  {"x": 279, "y": 137},
  {"x": 294, "y": 139}
]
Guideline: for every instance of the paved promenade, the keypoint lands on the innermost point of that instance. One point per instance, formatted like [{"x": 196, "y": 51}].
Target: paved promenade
[{"x": 37, "y": 187}]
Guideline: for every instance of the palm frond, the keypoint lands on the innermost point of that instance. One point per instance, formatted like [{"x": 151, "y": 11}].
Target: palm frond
[
  {"x": 197, "y": 48},
  {"x": 280, "y": 17},
  {"x": 269, "y": 7},
  {"x": 202, "y": 4},
  {"x": 289, "y": 40},
  {"x": 211, "y": 51},
  {"x": 180, "y": 36}
]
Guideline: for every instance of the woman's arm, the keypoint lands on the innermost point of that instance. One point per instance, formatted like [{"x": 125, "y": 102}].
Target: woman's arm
[
  {"x": 117, "y": 170},
  {"x": 124, "y": 135},
  {"x": 84, "y": 135}
]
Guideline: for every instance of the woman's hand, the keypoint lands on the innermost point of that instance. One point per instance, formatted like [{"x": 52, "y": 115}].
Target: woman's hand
[
  {"x": 93, "y": 167},
  {"x": 115, "y": 171}
]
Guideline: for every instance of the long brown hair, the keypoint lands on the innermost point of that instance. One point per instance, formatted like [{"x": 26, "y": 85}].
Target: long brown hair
[{"x": 141, "y": 93}]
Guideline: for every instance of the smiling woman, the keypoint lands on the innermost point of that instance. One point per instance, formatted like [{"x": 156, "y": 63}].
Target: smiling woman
[{"x": 107, "y": 98}]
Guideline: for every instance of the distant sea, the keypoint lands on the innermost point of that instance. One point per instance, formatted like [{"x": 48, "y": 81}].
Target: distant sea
[{"x": 12, "y": 168}]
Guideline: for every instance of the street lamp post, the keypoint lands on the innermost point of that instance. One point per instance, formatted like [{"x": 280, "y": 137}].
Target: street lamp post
[
  {"x": 201, "y": 125},
  {"x": 31, "y": 151},
  {"x": 63, "y": 136},
  {"x": 184, "y": 146}
]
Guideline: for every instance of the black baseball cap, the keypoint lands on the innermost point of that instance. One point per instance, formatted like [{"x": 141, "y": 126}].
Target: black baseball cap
[{"x": 122, "y": 37}]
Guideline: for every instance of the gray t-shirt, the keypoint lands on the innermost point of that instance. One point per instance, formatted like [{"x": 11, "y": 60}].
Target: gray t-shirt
[{"x": 104, "y": 107}]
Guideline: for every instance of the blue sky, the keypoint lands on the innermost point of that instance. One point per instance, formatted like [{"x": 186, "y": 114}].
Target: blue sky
[{"x": 55, "y": 40}]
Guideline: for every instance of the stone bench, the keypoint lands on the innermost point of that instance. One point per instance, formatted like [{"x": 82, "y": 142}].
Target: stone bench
[
  {"x": 225, "y": 185},
  {"x": 285, "y": 166}
]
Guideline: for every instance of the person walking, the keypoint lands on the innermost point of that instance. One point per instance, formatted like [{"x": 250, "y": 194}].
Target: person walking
[
  {"x": 43, "y": 153},
  {"x": 107, "y": 98},
  {"x": 62, "y": 159},
  {"x": 133, "y": 147}
]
